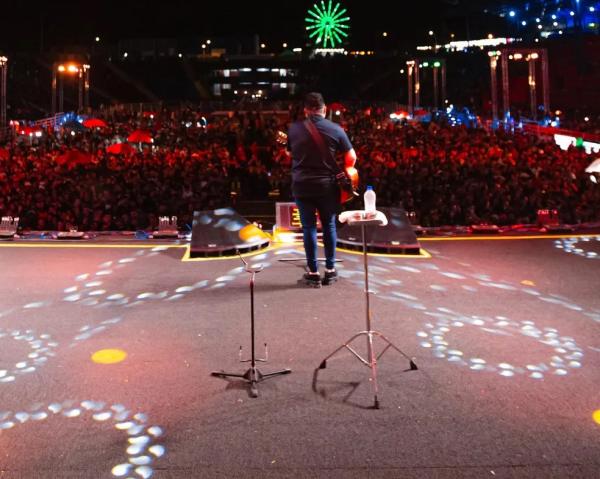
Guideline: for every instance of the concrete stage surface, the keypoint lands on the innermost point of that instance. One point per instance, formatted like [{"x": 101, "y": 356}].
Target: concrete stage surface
[{"x": 107, "y": 349}]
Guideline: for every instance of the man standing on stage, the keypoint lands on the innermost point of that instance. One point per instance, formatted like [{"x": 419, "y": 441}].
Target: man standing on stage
[{"x": 313, "y": 183}]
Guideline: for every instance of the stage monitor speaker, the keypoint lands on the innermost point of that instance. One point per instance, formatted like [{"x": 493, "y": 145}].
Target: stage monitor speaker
[
  {"x": 397, "y": 237},
  {"x": 224, "y": 232}
]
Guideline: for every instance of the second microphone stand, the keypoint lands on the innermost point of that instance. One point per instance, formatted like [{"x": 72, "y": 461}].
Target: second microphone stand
[{"x": 372, "y": 357}]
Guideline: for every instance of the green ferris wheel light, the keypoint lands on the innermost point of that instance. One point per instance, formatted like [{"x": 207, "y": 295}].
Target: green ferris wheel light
[{"x": 327, "y": 25}]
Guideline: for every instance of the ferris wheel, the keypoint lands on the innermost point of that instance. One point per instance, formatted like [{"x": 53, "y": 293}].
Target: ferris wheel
[{"x": 327, "y": 25}]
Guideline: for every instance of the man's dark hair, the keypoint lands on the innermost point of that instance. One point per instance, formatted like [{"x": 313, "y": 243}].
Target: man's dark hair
[{"x": 314, "y": 101}]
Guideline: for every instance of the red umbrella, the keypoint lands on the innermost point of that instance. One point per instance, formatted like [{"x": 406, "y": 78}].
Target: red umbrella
[
  {"x": 337, "y": 106},
  {"x": 140, "y": 136},
  {"x": 120, "y": 149},
  {"x": 94, "y": 123},
  {"x": 74, "y": 157}
]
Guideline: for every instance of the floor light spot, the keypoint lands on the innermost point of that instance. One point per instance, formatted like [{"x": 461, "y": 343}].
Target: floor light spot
[{"x": 109, "y": 356}]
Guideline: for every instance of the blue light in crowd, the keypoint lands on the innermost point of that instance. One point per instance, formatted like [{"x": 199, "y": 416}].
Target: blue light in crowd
[
  {"x": 512, "y": 13},
  {"x": 553, "y": 17},
  {"x": 592, "y": 9},
  {"x": 523, "y": 23}
]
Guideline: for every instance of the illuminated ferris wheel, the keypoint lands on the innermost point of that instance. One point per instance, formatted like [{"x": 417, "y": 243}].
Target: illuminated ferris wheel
[{"x": 327, "y": 25}]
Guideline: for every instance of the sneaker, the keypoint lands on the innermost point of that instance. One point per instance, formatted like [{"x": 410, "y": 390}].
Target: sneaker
[
  {"x": 312, "y": 279},
  {"x": 331, "y": 277}
]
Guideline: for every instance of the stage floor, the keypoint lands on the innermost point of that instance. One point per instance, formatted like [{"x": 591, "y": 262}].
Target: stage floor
[{"x": 107, "y": 351}]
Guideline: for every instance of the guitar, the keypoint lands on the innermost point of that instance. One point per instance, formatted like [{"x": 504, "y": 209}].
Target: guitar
[{"x": 347, "y": 179}]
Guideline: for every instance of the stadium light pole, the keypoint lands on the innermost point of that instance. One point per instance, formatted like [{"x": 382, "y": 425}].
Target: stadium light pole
[
  {"x": 494, "y": 83},
  {"x": 82, "y": 71},
  {"x": 3, "y": 77},
  {"x": 531, "y": 55},
  {"x": 531, "y": 60},
  {"x": 414, "y": 85}
]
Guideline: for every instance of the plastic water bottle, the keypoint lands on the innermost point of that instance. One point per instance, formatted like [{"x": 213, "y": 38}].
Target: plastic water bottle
[{"x": 369, "y": 198}]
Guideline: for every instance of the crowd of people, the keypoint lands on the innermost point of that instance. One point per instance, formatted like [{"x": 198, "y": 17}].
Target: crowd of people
[{"x": 446, "y": 175}]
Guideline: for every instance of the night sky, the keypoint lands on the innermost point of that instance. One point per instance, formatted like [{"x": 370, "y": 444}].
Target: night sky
[{"x": 67, "y": 23}]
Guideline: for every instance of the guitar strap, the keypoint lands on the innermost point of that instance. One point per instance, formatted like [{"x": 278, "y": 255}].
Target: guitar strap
[{"x": 326, "y": 154}]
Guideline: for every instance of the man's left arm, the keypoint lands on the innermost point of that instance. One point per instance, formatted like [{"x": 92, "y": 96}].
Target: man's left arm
[
  {"x": 349, "y": 154},
  {"x": 349, "y": 162}
]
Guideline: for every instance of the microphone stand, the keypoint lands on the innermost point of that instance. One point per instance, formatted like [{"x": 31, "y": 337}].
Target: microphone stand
[{"x": 253, "y": 376}]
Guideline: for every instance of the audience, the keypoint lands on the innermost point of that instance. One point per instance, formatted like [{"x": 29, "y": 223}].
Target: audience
[{"x": 447, "y": 175}]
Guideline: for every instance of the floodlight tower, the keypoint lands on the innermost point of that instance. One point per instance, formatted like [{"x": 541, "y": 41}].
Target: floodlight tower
[
  {"x": 59, "y": 70},
  {"x": 3, "y": 77},
  {"x": 531, "y": 56},
  {"x": 438, "y": 66}
]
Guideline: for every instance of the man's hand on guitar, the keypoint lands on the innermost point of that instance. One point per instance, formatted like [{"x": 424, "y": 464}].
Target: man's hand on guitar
[
  {"x": 281, "y": 138},
  {"x": 351, "y": 172}
]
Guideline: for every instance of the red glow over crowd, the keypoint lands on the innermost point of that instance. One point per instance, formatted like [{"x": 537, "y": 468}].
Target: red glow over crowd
[{"x": 96, "y": 180}]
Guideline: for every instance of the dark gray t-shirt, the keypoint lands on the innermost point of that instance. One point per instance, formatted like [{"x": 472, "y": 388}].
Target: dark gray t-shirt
[{"x": 311, "y": 175}]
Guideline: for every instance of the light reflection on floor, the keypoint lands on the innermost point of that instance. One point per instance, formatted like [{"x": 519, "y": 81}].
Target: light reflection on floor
[
  {"x": 565, "y": 354},
  {"x": 391, "y": 280},
  {"x": 577, "y": 246},
  {"x": 109, "y": 356},
  {"x": 142, "y": 448},
  {"x": 42, "y": 348}
]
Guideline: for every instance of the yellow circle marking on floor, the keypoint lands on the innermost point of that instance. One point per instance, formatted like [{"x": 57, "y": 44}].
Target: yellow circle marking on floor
[{"x": 109, "y": 356}]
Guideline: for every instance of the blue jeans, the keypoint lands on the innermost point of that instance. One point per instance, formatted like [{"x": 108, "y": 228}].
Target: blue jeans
[{"x": 327, "y": 206}]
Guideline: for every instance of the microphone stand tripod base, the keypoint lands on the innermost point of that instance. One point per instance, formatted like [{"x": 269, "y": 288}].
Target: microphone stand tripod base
[{"x": 252, "y": 376}]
